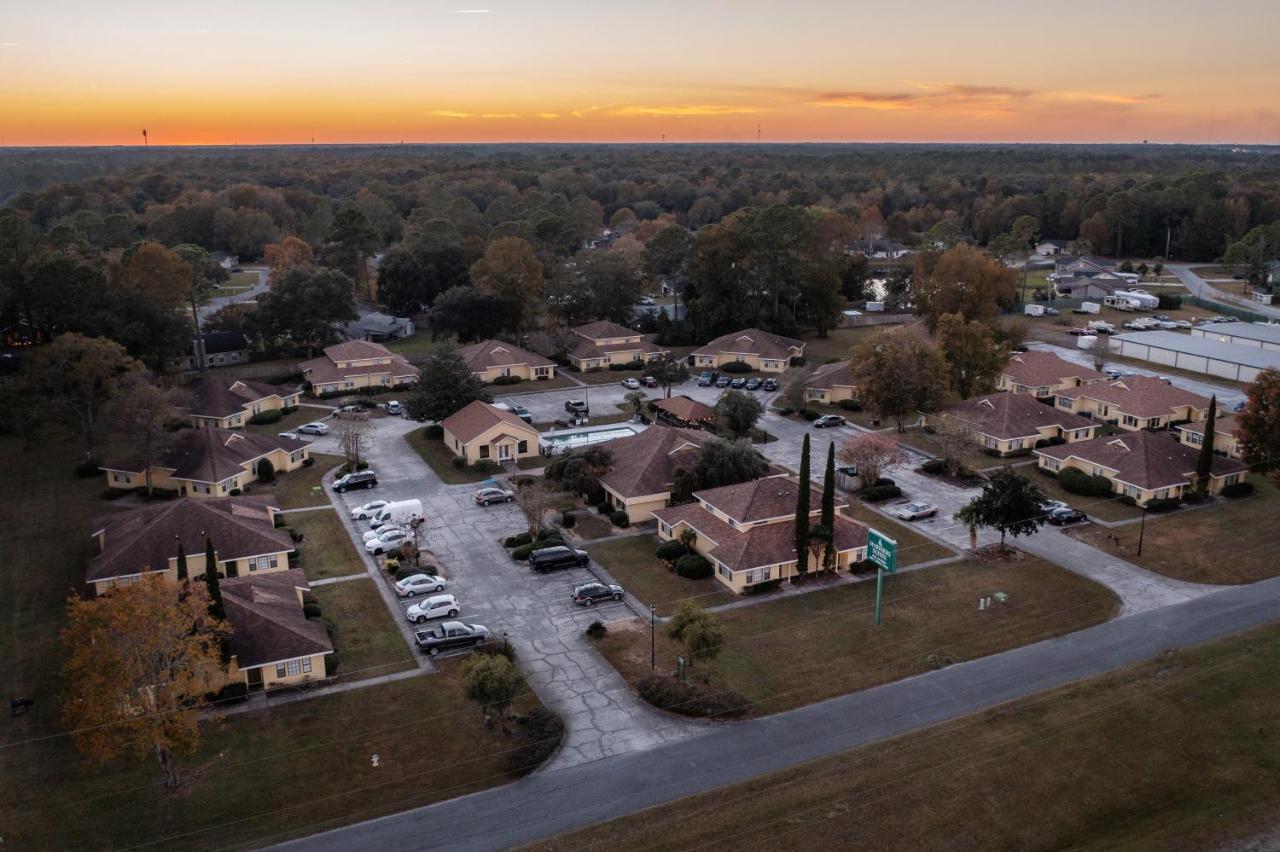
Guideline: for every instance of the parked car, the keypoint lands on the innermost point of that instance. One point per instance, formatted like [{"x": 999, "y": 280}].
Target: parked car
[
  {"x": 521, "y": 412},
  {"x": 706, "y": 380},
  {"x": 1067, "y": 515},
  {"x": 385, "y": 541},
  {"x": 1113, "y": 374},
  {"x": 631, "y": 384},
  {"x": 828, "y": 421},
  {"x": 555, "y": 558},
  {"x": 314, "y": 428},
  {"x": 1078, "y": 332},
  {"x": 1240, "y": 406},
  {"x": 916, "y": 511},
  {"x": 366, "y": 510},
  {"x": 769, "y": 384},
  {"x": 394, "y": 408},
  {"x": 486, "y": 496},
  {"x": 649, "y": 382},
  {"x": 1049, "y": 505},
  {"x": 576, "y": 407},
  {"x": 647, "y": 300},
  {"x": 723, "y": 381},
  {"x": 588, "y": 593},
  {"x": 350, "y": 409},
  {"x": 358, "y": 479},
  {"x": 436, "y": 606},
  {"x": 753, "y": 384},
  {"x": 1181, "y": 324},
  {"x": 1050, "y": 311},
  {"x": 419, "y": 584},
  {"x": 737, "y": 383},
  {"x": 449, "y": 636},
  {"x": 293, "y": 436},
  {"x": 377, "y": 531}
]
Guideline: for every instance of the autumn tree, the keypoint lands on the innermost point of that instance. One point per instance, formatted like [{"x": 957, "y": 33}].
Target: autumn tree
[
  {"x": 535, "y": 499},
  {"x": 961, "y": 280},
  {"x": 290, "y": 253},
  {"x": 974, "y": 358},
  {"x": 76, "y": 377},
  {"x": 1260, "y": 424},
  {"x": 158, "y": 274},
  {"x": 737, "y": 413},
  {"x": 510, "y": 270},
  {"x": 354, "y": 437},
  {"x": 140, "y": 417},
  {"x": 899, "y": 373},
  {"x": 303, "y": 306},
  {"x": 351, "y": 240},
  {"x": 493, "y": 682},
  {"x": 953, "y": 437},
  {"x": 871, "y": 454},
  {"x": 141, "y": 658},
  {"x": 445, "y": 385}
]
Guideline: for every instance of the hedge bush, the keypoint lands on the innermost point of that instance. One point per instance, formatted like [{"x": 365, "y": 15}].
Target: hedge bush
[
  {"x": 507, "y": 380},
  {"x": 543, "y": 730},
  {"x": 568, "y": 520},
  {"x": 850, "y": 404},
  {"x": 877, "y": 493},
  {"x": 433, "y": 432},
  {"x": 630, "y": 365},
  {"x": 797, "y": 361},
  {"x": 766, "y": 586},
  {"x": 522, "y": 552},
  {"x": 934, "y": 467},
  {"x": 670, "y": 551},
  {"x": 884, "y": 480},
  {"x": 546, "y": 533},
  {"x": 266, "y": 471},
  {"x": 262, "y": 418},
  {"x": 676, "y": 696},
  {"x": 692, "y": 566},
  {"x": 308, "y": 461},
  {"x": 331, "y": 663},
  {"x": 312, "y": 610},
  {"x": 1237, "y": 489},
  {"x": 1075, "y": 481},
  {"x": 603, "y": 507},
  {"x": 406, "y": 571},
  {"x": 1055, "y": 441},
  {"x": 1163, "y": 505},
  {"x": 596, "y": 630},
  {"x": 736, "y": 367},
  {"x": 517, "y": 540},
  {"x": 809, "y": 414},
  {"x": 620, "y": 519}
]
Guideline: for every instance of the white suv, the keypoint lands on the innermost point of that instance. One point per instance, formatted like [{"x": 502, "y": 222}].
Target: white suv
[{"x": 436, "y": 606}]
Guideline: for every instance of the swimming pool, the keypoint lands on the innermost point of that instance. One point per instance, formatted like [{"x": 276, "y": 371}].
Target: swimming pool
[{"x": 566, "y": 439}]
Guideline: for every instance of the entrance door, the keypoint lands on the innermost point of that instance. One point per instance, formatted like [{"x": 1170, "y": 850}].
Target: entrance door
[
  {"x": 255, "y": 678},
  {"x": 504, "y": 452}
]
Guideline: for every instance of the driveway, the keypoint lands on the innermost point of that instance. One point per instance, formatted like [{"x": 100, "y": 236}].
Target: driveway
[
  {"x": 217, "y": 303},
  {"x": 548, "y": 406},
  {"x": 1205, "y": 290}
]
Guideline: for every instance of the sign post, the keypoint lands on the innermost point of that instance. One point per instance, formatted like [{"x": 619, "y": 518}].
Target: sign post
[{"x": 883, "y": 551}]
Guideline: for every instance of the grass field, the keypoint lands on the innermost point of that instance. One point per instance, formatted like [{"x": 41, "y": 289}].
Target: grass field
[
  {"x": 297, "y": 489},
  {"x": 1232, "y": 542},
  {"x": 1104, "y": 508},
  {"x": 559, "y": 381},
  {"x": 439, "y": 458},
  {"x": 632, "y": 563},
  {"x": 797, "y": 650},
  {"x": 326, "y": 548},
  {"x": 838, "y": 343},
  {"x": 304, "y": 414},
  {"x": 913, "y": 548},
  {"x": 1179, "y": 753},
  {"x": 364, "y": 636},
  {"x": 971, "y": 457}
]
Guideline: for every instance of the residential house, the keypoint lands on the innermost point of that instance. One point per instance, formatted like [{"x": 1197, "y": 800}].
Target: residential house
[
  {"x": 1143, "y": 466},
  {"x": 643, "y": 468},
  {"x": 1043, "y": 374},
  {"x": 747, "y": 531},
  {"x": 227, "y": 403},
  {"x": 1052, "y": 247},
  {"x": 221, "y": 349},
  {"x": 599, "y": 345},
  {"x": 685, "y": 412},
  {"x": 357, "y": 364},
  {"x": 491, "y": 360},
  {"x": 1088, "y": 277},
  {"x": 225, "y": 259},
  {"x": 483, "y": 432},
  {"x": 145, "y": 541},
  {"x": 830, "y": 383},
  {"x": 1226, "y": 436},
  {"x": 1011, "y": 423},
  {"x": 376, "y": 327},
  {"x": 1134, "y": 402},
  {"x": 272, "y": 642},
  {"x": 760, "y": 350},
  {"x": 210, "y": 462}
]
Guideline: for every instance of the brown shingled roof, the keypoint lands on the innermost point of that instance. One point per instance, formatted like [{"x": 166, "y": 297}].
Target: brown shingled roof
[
  {"x": 828, "y": 376},
  {"x": 325, "y": 370},
  {"x": 1042, "y": 369},
  {"x": 267, "y": 621},
  {"x": 1139, "y": 396},
  {"x": 212, "y": 455},
  {"x": 1227, "y": 425},
  {"x": 752, "y": 341},
  {"x": 219, "y": 397},
  {"x": 1012, "y": 415},
  {"x": 759, "y": 499},
  {"x": 603, "y": 330},
  {"x": 498, "y": 353},
  {"x": 357, "y": 350},
  {"x": 644, "y": 464},
  {"x": 1148, "y": 460},
  {"x": 145, "y": 539},
  {"x": 686, "y": 409},
  {"x": 471, "y": 421}
]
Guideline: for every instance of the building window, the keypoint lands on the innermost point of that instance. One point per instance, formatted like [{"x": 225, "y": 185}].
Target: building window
[
  {"x": 262, "y": 563},
  {"x": 484, "y": 451},
  {"x": 724, "y": 572},
  {"x": 522, "y": 447},
  {"x": 1050, "y": 463},
  {"x": 294, "y": 667},
  {"x": 664, "y": 528},
  {"x": 279, "y": 669},
  {"x": 296, "y": 455},
  {"x": 1015, "y": 444},
  {"x": 1231, "y": 479},
  {"x": 306, "y": 665},
  {"x": 201, "y": 487},
  {"x": 119, "y": 477},
  {"x": 1133, "y": 491},
  {"x": 1130, "y": 420},
  {"x": 1063, "y": 402},
  {"x": 1195, "y": 439}
]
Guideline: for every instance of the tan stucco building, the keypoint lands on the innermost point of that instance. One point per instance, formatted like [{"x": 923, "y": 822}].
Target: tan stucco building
[
  {"x": 830, "y": 384},
  {"x": 1134, "y": 402},
  {"x": 357, "y": 364},
  {"x": 642, "y": 467},
  {"x": 273, "y": 643},
  {"x": 599, "y": 345},
  {"x": 482, "y": 432},
  {"x": 227, "y": 403},
  {"x": 210, "y": 462},
  {"x": 490, "y": 360},
  {"x": 762, "y": 351},
  {"x": 1042, "y": 374},
  {"x": 1010, "y": 423},
  {"x": 1226, "y": 436}
]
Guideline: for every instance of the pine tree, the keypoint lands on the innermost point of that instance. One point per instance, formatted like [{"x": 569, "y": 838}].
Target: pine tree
[
  {"x": 211, "y": 579},
  {"x": 1204, "y": 462},
  {"x": 182, "y": 563},
  {"x": 802, "y": 511},
  {"x": 828, "y": 517}
]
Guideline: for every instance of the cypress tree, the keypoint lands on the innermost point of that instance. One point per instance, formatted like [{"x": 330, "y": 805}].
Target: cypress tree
[
  {"x": 828, "y": 517},
  {"x": 802, "y": 511},
  {"x": 211, "y": 579},
  {"x": 1204, "y": 462},
  {"x": 182, "y": 563}
]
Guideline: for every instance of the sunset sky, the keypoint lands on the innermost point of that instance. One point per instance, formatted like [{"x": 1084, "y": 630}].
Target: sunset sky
[{"x": 282, "y": 71}]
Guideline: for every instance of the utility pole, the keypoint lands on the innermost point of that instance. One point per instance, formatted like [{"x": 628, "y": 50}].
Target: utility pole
[
  {"x": 145, "y": 142},
  {"x": 197, "y": 343},
  {"x": 1142, "y": 528},
  {"x": 1168, "y": 240},
  {"x": 653, "y": 640}
]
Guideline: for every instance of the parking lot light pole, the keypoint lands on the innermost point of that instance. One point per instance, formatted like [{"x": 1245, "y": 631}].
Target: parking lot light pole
[
  {"x": 653, "y": 640},
  {"x": 1142, "y": 528}
]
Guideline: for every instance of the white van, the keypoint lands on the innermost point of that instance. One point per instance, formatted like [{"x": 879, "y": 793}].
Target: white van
[{"x": 401, "y": 513}]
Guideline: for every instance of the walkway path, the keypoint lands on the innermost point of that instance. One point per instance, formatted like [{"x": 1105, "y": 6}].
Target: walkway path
[
  {"x": 549, "y": 803},
  {"x": 266, "y": 700},
  {"x": 1205, "y": 290}
]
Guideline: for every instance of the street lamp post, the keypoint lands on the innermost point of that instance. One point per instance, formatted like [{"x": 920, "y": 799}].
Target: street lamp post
[
  {"x": 653, "y": 640},
  {"x": 1142, "y": 529}
]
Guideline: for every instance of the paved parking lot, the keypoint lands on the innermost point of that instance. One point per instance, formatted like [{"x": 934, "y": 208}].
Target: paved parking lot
[{"x": 548, "y": 406}]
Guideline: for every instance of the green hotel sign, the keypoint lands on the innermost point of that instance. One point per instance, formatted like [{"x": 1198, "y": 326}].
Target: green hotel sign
[{"x": 882, "y": 550}]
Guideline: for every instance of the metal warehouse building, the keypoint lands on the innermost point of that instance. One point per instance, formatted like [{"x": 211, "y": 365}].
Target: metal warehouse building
[
  {"x": 1255, "y": 334},
  {"x": 1196, "y": 354}
]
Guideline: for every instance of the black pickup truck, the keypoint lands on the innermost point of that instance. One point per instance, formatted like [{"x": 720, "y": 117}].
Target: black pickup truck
[{"x": 450, "y": 635}]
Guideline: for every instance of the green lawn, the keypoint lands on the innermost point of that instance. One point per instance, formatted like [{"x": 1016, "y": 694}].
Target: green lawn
[
  {"x": 440, "y": 459},
  {"x": 419, "y": 343},
  {"x": 302, "y": 487},
  {"x": 1179, "y": 753},
  {"x": 971, "y": 457},
  {"x": 304, "y": 414},
  {"x": 559, "y": 381},
  {"x": 838, "y": 343},
  {"x": 801, "y": 649},
  {"x": 913, "y": 547},
  {"x": 632, "y": 563},
  {"x": 364, "y": 636},
  {"x": 1233, "y": 541},
  {"x": 326, "y": 548}
]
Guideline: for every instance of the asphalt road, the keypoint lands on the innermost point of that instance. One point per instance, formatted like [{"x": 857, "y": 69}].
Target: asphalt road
[
  {"x": 553, "y": 802},
  {"x": 1205, "y": 290}
]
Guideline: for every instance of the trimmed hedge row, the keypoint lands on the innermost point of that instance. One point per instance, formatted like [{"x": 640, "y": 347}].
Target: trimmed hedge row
[
  {"x": 543, "y": 730},
  {"x": 877, "y": 493},
  {"x": 1075, "y": 481},
  {"x": 850, "y": 404},
  {"x": 1237, "y": 489},
  {"x": 262, "y": 418},
  {"x": 667, "y": 693},
  {"x": 736, "y": 367},
  {"x": 692, "y": 566}
]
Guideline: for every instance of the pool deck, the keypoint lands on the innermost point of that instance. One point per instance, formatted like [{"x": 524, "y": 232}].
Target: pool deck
[{"x": 579, "y": 436}]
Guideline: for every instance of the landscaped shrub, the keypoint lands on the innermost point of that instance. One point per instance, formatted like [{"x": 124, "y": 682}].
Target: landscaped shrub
[
  {"x": 1237, "y": 489},
  {"x": 765, "y": 587},
  {"x": 517, "y": 540},
  {"x": 809, "y": 414},
  {"x": 630, "y": 365},
  {"x": 620, "y": 519},
  {"x": 693, "y": 566},
  {"x": 1076, "y": 481},
  {"x": 458, "y": 463},
  {"x": 736, "y": 367},
  {"x": 392, "y": 565},
  {"x": 331, "y": 663},
  {"x": 593, "y": 492},
  {"x": 676, "y": 696},
  {"x": 850, "y": 404},
  {"x": 522, "y": 552},
  {"x": 568, "y": 520},
  {"x": 603, "y": 507},
  {"x": 266, "y": 471},
  {"x": 1056, "y": 440},
  {"x": 312, "y": 610},
  {"x": 549, "y": 541},
  {"x": 235, "y": 492},
  {"x": 288, "y": 409},
  {"x": 596, "y": 630},
  {"x": 483, "y": 467},
  {"x": 934, "y": 467},
  {"x": 542, "y": 730},
  {"x": 507, "y": 380},
  {"x": 433, "y": 432},
  {"x": 88, "y": 469},
  {"x": 546, "y": 533},
  {"x": 670, "y": 551},
  {"x": 877, "y": 493},
  {"x": 1163, "y": 505},
  {"x": 273, "y": 415},
  {"x": 308, "y": 461},
  {"x": 884, "y": 480},
  {"x": 405, "y": 571}
]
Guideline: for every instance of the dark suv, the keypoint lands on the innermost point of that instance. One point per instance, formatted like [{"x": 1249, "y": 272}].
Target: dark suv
[
  {"x": 576, "y": 407},
  {"x": 359, "y": 479},
  {"x": 555, "y": 558}
]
